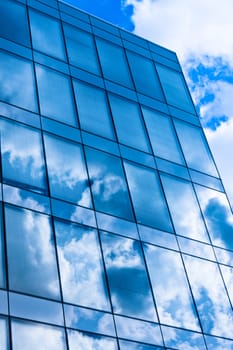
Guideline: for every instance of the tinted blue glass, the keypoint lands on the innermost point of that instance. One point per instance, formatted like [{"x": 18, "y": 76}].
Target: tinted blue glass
[
  {"x": 128, "y": 123},
  {"x": 30, "y": 335},
  {"x": 127, "y": 277},
  {"x": 46, "y": 35},
  {"x": 170, "y": 287},
  {"x": 2, "y": 255},
  {"x": 127, "y": 345},
  {"x": 32, "y": 266},
  {"x": 113, "y": 62},
  {"x": 195, "y": 148},
  {"x": 17, "y": 82},
  {"x": 84, "y": 341},
  {"x": 93, "y": 110},
  {"x": 4, "y": 340},
  {"x": 162, "y": 136},
  {"x": 67, "y": 171},
  {"x": 108, "y": 184},
  {"x": 81, "y": 266},
  {"x": 55, "y": 95},
  {"x": 144, "y": 76},
  {"x": 175, "y": 90},
  {"x": 81, "y": 49},
  {"x": 22, "y": 156},
  {"x": 148, "y": 200},
  {"x": 14, "y": 23},
  {"x": 181, "y": 339}
]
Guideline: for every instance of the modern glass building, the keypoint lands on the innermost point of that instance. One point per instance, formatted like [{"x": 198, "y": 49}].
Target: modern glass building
[{"x": 116, "y": 232}]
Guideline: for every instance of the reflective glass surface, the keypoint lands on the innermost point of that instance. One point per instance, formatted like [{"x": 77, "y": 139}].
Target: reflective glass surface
[
  {"x": 110, "y": 193},
  {"x": 2, "y": 255},
  {"x": 84, "y": 341},
  {"x": 81, "y": 266},
  {"x": 17, "y": 82},
  {"x": 144, "y": 76},
  {"x": 113, "y": 62},
  {"x": 67, "y": 171},
  {"x": 162, "y": 136},
  {"x": 46, "y": 35},
  {"x": 129, "y": 123},
  {"x": 15, "y": 30},
  {"x": 94, "y": 115},
  {"x": 127, "y": 277},
  {"x": 4, "y": 342},
  {"x": 148, "y": 200},
  {"x": 22, "y": 156},
  {"x": 55, "y": 95},
  {"x": 81, "y": 49},
  {"x": 32, "y": 266}
]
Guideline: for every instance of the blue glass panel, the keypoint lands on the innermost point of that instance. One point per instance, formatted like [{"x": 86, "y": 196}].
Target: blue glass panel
[
  {"x": 2, "y": 255},
  {"x": 195, "y": 148},
  {"x": 212, "y": 302},
  {"x": 3, "y": 303},
  {"x": 129, "y": 124},
  {"x": 108, "y": 184},
  {"x": 148, "y": 200},
  {"x": 55, "y": 95},
  {"x": 81, "y": 49},
  {"x": 22, "y": 156},
  {"x": 81, "y": 266},
  {"x": 30, "y": 335},
  {"x": 36, "y": 309},
  {"x": 93, "y": 110},
  {"x": 113, "y": 63},
  {"x": 4, "y": 338},
  {"x": 175, "y": 90},
  {"x": 214, "y": 343},
  {"x": 128, "y": 345},
  {"x": 162, "y": 136},
  {"x": 218, "y": 216},
  {"x": 84, "y": 341},
  {"x": 127, "y": 276},
  {"x": 192, "y": 247},
  {"x": 32, "y": 266},
  {"x": 170, "y": 286},
  {"x": 47, "y": 35},
  {"x": 67, "y": 171},
  {"x": 17, "y": 82},
  {"x": 89, "y": 320},
  {"x": 12, "y": 29},
  {"x": 184, "y": 208},
  {"x": 181, "y": 339},
  {"x": 145, "y": 76},
  {"x": 137, "y": 330}
]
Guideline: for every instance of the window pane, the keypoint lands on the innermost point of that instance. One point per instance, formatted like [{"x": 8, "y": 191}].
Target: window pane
[
  {"x": 128, "y": 123},
  {"x": 212, "y": 303},
  {"x": 175, "y": 89},
  {"x": 55, "y": 95},
  {"x": 85, "y": 341},
  {"x": 94, "y": 115},
  {"x": 170, "y": 287},
  {"x": 128, "y": 345},
  {"x": 17, "y": 82},
  {"x": 81, "y": 266},
  {"x": 127, "y": 277},
  {"x": 31, "y": 335},
  {"x": 184, "y": 340},
  {"x": 46, "y": 35},
  {"x": 184, "y": 208},
  {"x": 113, "y": 63},
  {"x": 32, "y": 264},
  {"x": 12, "y": 29},
  {"x": 22, "y": 156},
  {"x": 148, "y": 200},
  {"x": 109, "y": 188},
  {"x": 162, "y": 136},
  {"x": 218, "y": 216},
  {"x": 67, "y": 171},
  {"x": 2, "y": 256},
  {"x": 145, "y": 76},
  {"x": 81, "y": 49},
  {"x": 4, "y": 341},
  {"x": 195, "y": 148}
]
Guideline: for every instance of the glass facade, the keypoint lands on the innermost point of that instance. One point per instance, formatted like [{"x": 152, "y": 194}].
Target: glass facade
[{"x": 115, "y": 230}]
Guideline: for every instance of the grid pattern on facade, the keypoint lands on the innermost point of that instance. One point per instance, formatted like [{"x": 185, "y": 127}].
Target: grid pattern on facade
[{"x": 116, "y": 232}]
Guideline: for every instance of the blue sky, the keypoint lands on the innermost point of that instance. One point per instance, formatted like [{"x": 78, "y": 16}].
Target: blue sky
[{"x": 204, "y": 43}]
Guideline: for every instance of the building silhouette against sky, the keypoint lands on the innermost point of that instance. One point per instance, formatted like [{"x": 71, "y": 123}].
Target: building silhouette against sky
[{"x": 116, "y": 232}]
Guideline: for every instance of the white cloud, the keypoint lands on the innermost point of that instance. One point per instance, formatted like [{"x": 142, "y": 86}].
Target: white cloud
[{"x": 199, "y": 32}]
